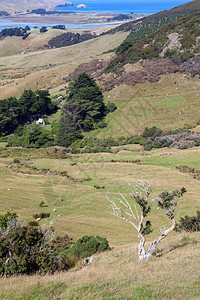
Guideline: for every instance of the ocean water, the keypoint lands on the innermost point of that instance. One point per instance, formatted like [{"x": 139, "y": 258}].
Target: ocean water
[
  {"x": 103, "y": 6},
  {"x": 123, "y": 6}
]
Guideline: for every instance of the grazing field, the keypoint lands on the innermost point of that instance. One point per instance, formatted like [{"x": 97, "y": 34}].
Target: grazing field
[
  {"x": 45, "y": 69},
  {"x": 171, "y": 103},
  {"x": 84, "y": 210}
]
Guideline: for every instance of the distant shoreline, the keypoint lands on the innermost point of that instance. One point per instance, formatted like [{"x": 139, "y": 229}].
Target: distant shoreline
[{"x": 92, "y": 20}]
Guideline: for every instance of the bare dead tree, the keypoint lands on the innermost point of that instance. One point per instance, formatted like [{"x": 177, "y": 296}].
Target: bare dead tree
[{"x": 139, "y": 205}]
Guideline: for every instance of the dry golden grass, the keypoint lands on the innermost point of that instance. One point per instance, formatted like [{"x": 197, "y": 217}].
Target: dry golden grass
[
  {"x": 46, "y": 68},
  {"x": 117, "y": 275}
]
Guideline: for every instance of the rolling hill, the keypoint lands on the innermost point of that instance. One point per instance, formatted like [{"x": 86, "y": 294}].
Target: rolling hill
[
  {"x": 178, "y": 39},
  {"x": 154, "y": 82},
  {"x": 19, "y": 6}
]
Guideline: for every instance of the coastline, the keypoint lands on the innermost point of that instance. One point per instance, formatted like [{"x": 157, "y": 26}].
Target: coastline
[{"x": 73, "y": 20}]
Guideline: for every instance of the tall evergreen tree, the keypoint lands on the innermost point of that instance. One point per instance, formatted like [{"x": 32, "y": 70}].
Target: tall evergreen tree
[
  {"x": 85, "y": 102},
  {"x": 67, "y": 132},
  {"x": 83, "y": 108}
]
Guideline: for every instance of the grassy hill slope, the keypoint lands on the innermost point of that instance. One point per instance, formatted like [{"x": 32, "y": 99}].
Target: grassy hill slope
[
  {"x": 84, "y": 211},
  {"x": 180, "y": 35},
  {"x": 12, "y": 6},
  {"x": 171, "y": 103},
  {"x": 47, "y": 68},
  {"x": 116, "y": 275}
]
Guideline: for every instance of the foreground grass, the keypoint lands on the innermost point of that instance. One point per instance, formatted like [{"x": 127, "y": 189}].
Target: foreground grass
[
  {"x": 114, "y": 274},
  {"x": 117, "y": 275}
]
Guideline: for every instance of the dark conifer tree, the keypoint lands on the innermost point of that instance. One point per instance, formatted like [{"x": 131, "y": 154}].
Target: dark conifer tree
[{"x": 84, "y": 107}]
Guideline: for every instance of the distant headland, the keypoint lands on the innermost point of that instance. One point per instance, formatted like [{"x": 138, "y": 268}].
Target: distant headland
[{"x": 68, "y": 4}]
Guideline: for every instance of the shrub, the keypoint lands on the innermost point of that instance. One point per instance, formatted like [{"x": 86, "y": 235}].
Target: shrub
[
  {"x": 33, "y": 136},
  {"x": 26, "y": 250},
  {"x": 41, "y": 215},
  {"x": 33, "y": 223},
  {"x": 152, "y": 132},
  {"x": 148, "y": 145},
  {"x": 43, "y": 29},
  {"x": 16, "y": 161},
  {"x": 161, "y": 142},
  {"x": 88, "y": 245},
  {"x": 189, "y": 224},
  {"x": 7, "y": 220},
  {"x": 183, "y": 147},
  {"x": 110, "y": 107}
]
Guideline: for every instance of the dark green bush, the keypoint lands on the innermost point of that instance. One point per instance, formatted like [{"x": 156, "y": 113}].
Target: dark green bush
[
  {"x": 26, "y": 250},
  {"x": 183, "y": 147},
  {"x": 16, "y": 161},
  {"x": 189, "y": 224},
  {"x": 43, "y": 29},
  {"x": 8, "y": 219},
  {"x": 110, "y": 107},
  {"x": 88, "y": 245},
  {"x": 33, "y": 223},
  {"x": 41, "y": 215},
  {"x": 152, "y": 132},
  {"x": 32, "y": 136}
]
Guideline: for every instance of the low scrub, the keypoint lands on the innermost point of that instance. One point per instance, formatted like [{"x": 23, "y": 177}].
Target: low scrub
[
  {"x": 31, "y": 249},
  {"x": 41, "y": 215},
  {"x": 180, "y": 138},
  {"x": 189, "y": 224},
  {"x": 88, "y": 245}
]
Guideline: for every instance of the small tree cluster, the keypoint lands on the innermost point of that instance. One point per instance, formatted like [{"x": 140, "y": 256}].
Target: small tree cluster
[
  {"x": 30, "y": 106},
  {"x": 31, "y": 136}
]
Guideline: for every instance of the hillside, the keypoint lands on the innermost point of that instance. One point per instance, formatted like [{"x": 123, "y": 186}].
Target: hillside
[
  {"x": 161, "y": 18},
  {"x": 45, "y": 68},
  {"x": 178, "y": 39},
  {"x": 84, "y": 211},
  {"x": 150, "y": 24},
  {"x": 17, "y": 6},
  {"x": 153, "y": 82}
]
